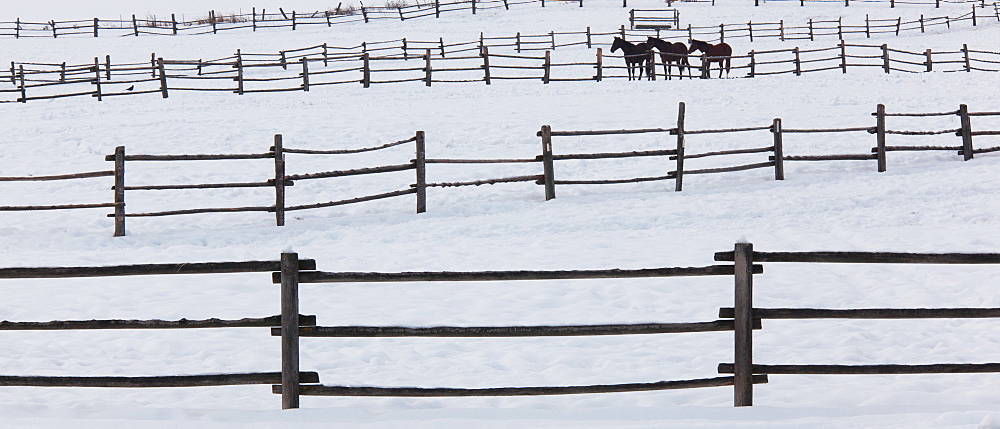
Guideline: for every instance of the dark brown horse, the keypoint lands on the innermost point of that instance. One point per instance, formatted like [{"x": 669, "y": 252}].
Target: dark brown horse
[
  {"x": 720, "y": 53},
  {"x": 671, "y": 53},
  {"x": 636, "y": 56}
]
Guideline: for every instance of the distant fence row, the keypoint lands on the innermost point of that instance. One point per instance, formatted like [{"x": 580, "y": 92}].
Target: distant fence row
[
  {"x": 318, "y": 66},
  {"x": 213, "y": 23},
  {"x": 289, "y": 271},
  {"x": 548, "y": 176}
]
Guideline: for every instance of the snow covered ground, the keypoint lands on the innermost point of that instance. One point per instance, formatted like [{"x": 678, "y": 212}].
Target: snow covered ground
[{"x": 925, "y": 202}]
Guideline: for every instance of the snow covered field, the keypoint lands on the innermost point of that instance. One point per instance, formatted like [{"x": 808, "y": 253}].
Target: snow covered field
[{"x": 925, "y": 202}]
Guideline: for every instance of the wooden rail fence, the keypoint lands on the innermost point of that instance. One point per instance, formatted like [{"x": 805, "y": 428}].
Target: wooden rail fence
[
  {"x": 401, "y": 62},
  {"x": 742, "y": 319},
  {"x": 777, "y": 157}
]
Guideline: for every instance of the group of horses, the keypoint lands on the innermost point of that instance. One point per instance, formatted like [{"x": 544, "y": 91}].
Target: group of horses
[{"x": 638, "y": 56}]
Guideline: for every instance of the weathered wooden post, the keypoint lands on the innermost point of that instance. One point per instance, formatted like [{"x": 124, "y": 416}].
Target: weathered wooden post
[
  {"x": 546, "y": 66},
  {"x": 965, "y": 52},
  {"x": 486, "y": 65},
  {"x": 421, "y": 168},
  {"x": 152, "y": 65},
  {"x": 885, "y": 58},
  {"x": 589, "y": 44},
  {"x": 921, "y": 23},
  {"x": 880, "y": 137},
  {"x": 366, "y": 72},
  {"x": 743, "y": 321},
  {"x": 750, "y": 29},
  {"x": 289, "y": 330},
  {"x": 62, "y": 72},
  {"x": 97, "y": 80},
  {"x": 23, "y": 88},
  {"x": 779, "y": 152},
  {"x": 284, "y": 61},
  {"x": 704, "y": 66},
  {"x": 135, "y": 26},
  {"x": 600, "y": 65},
  {"x": 679, "y": 175},
  {"x": 279, "y": 180},
  {"x": 547, "y": 164},
  {"x": 427, "y": 68},
  {"x": 97, "y": 25},
  {"x": 798, "y": 62},
  {"x": 843, "y": 57},
  {"x": 239, "y": 72},
  {"x": 305, "y": 74},
  {"x": 173, "y": 23},
  {"x": 107, "y": 67},
  {"x": 211, "y": 17},
  {"x": 254, "y": 13},
  {"x": 163, "y": 78},
  {"x": 868, "y": 30},
  {"x": 811, "y": 36},
  {"x": 966, "y": 131},
  {"x": 119, "y": 159},
  {"x": 930, "y": 62},
  {"x": 437, "y": 9}
]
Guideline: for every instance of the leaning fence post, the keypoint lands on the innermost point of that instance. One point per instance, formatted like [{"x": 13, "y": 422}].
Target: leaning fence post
[
  {"x": 486, "y": 65},
  {"x": 965, "y": 51},
  {"x": 679, "y": 173},
  {"x": 279, "y": 180},
  {"x": 743, "y": 321},
  {"x": 779, "y": 152},
  {"x": 289, "y": 330},
  {"x": 163, "y": 78},
  {"x": 119, "y": 191},
  {"x": 421, "y": 168},
  {"x": 966, "y": 132},
  {"x": 880, "y": 137},
  {"x": 547, "y": 165}
]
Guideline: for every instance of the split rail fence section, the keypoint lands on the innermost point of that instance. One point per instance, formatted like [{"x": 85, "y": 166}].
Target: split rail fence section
[
  {"x": 681, "y": 156},
  {"x": 290, "y": 272},
  {"x": 408, "y": 61}
]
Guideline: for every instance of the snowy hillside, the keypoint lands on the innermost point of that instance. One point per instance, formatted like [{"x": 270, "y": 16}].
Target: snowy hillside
[{"x": 924, "y": 202}]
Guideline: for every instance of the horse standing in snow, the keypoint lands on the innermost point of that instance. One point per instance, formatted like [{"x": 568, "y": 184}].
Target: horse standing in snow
[
  {"x": 671, "y": 53},
  {"x": 720, "y": 53},
  {"x": 636, "y": 56}
]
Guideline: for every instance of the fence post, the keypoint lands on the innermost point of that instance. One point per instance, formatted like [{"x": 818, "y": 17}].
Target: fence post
[
  {"x": 163, "y": 77},
  {"x": 704, "y": 66},
  {"x": 885, "y": 58},
  {"x": 973, "y": 16},
  {"x": 811, "y": 36},
  {"x": 899, "y": 23},
  {"x": 930, "y": 62},
  {"x": 421, "y": 167},
  {"x": 753, "y": 64},
  {"x": 966, "y": 132},
  {"x": 781, "y": 30},
  {"x": 211, "y": 17},
  {"x": 239, "y": 72},
  {"x": 427, "y": 67},
  {"x": 750, "y": 29},
  {"x": 600, "y": 65},
  {"x": 152, "y": 65},
  {"x": 17, "y": 28},
  {"x": 631, "y": 19},
  {"x": 880, "y": 137},
  {"x": 364, "y": 13},
  {"x": 441, "y": 42},
  {"x": 97, "y": 25},
  {"x": 552, "y": 36},
  {"x": 24, "y": 91},
  {"x": 517, "y": 42},
  {"x": 722, "y": 33},
  {"x": 279, "y": 180},
  {"x": 868, "y": 32},
  {"x": 305, "y": 74},
  {"x": 651, "y": 66},
  {"x": 254, "y": 13},
  {"x": 474, "y": 7},
  {"x": 135, "y": 26},
  {"x": 97, "y": 79},
  {"x": 779, "y": 152},
  {"x": 173, "y": 23},
  {"x": 921, "y": 23},
  {"x": 366, "y": 72},
  {"x": 505, "y": 5},
  {"x": 965, "y": 52},
  {"x": 547, "y": 66},
  {"x": 437, "y": 9},
  {"x": 326, "y": 14},
  {"x": 326, "y": 55},
  {"x": 798, "y": 62},
  {"x": 62, "y": 72},
  {"x": 843, "y": 56},
  {"x": 289, "y": 330},
  {"x": 588, "y": 38},
  {"x": 840, "y": 28},
  {"x": 293, "y": 20},
  {"x": 284, "y": 61},
  {"x": 743, "y": 320},
  {"x": 120, "y": 191},
  {"x": 486, "y": 65},
  {"x": 679, "y": 175},
  {"x": 547, "y": 165}
]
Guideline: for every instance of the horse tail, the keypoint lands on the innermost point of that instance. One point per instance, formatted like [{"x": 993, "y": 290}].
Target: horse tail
[{"x": 729, "y": 61}]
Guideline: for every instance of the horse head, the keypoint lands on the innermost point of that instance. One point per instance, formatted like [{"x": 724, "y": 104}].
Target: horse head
[
  {"x": 698, "y": 45},
  {"x": 619, "y": 43}
]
